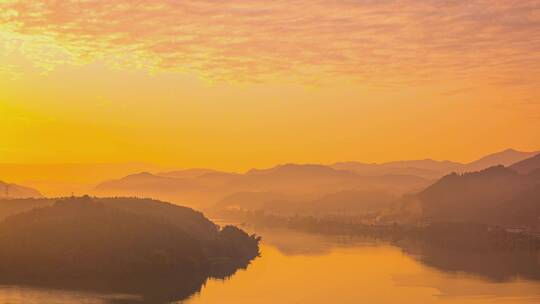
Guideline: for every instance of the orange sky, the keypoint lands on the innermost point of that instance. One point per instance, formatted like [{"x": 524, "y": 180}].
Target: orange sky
[{"x": 254, "y": 83}]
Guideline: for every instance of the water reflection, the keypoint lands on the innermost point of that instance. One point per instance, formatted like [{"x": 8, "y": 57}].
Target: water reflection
[
  {"x": 297, "y": 267},
  {"x": 135, "y": 290},
  {"x": 494, "y": 266},
  {"x": 310, "y": 268},
  {"x": 491, "y": 265}
]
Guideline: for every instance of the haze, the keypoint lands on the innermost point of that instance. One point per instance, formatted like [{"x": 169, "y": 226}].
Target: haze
[
  {"x": 286, "y": 151},
  {"x": 253, "y": 84}
]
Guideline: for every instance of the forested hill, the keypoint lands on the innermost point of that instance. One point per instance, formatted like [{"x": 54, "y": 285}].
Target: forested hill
[{"x": 116, "y": 239}]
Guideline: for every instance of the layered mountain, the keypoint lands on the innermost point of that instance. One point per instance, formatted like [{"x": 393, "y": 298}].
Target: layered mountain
[
  {"x": 349, "y": 202},
  {"x": 147, "y": 182},
  {"x": 17, "y": 191},
  {"x": 504, "y": 158},
  {"x": 295, "y": 183},
  {"x": 191, "y": 173},
  {"x": 434, "y": 169},
  {"x": 150, "y": 185},
  {"x": 344, "y": 203},
  {"x": 313, "y": 178},
  {"x": 59, "y": 180},
  {"x": 426, "y": 168},
  {"x": 497, "y": 195},
  {"x": 202, "y": 189},
  {"x": 528, "y": 165}
]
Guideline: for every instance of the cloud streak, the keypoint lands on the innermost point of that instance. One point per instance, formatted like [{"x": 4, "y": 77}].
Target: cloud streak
[{"x": 377, "y": 42}]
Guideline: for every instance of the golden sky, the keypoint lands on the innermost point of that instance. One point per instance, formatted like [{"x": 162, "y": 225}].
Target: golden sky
[{"x": 251, "y": 83}]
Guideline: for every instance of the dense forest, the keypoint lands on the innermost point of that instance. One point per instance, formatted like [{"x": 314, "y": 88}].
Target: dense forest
[{"x": 95, "y": 240}]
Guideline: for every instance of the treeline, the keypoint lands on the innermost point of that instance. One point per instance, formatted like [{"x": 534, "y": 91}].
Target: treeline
[
  {"x": 86, "y": 238},
  {"x": 446, "y": 235}
]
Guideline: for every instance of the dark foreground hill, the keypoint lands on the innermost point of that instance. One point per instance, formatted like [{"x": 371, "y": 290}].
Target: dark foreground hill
[
  {"x": 13, "y": 206},
  {"x": 112, "y": 243},
  {"x": 494, "y": 196},
  {"x": 528, "y": 165}
]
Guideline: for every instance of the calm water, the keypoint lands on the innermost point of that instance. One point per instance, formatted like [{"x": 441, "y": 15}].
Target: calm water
[{"x": 306, "y": 268}]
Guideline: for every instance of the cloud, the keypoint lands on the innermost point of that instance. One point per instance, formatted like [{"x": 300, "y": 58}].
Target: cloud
[{"x": 379, "y": 42}]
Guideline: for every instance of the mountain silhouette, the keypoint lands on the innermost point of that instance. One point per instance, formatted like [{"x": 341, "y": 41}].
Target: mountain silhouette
[
  {"x": 505, "y": 158},
  {"x": 205, "y": 188},
  {"x": 146, "y": 184},
  {"x": 145, "y": 181},
  {"x": 433, "y": 169},
  {"x": 189, "y": 173},
  {"x": 300, "y": 170},
  {"x": 528, "y": 165},
  {"x": 426, "y": 168},
  {"x": 296, "y": 183},
  {"x": 63, "y": 179},
  {"x": 344, "y": 203},
  {"x": 347, "y": 202},
  {"x": 123, "y": 245},
  {"x": 313, "y": 178},
  {"x": 497, "y": 195}
]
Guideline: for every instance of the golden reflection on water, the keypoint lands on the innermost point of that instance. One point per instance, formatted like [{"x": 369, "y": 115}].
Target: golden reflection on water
[
  {"x": 29, "y": 295},
  {"x": 297, "y": 268},
  {"x": 355, "y": 274}
]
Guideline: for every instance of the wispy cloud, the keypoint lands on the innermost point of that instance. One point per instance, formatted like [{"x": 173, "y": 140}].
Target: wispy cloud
[{"x": 382, "y": 41}]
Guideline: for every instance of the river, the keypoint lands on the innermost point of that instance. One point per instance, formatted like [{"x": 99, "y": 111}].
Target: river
[{"x": 307, "y": 268}]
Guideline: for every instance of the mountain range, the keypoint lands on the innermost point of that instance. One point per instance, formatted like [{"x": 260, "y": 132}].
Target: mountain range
[
  {"x": 304, "y": 181},
  {"x": 421, "y": 189},
  {"x": 204, "y": 188},
  {"x": 63, "y": 179},
  {"x": 433, "y": 169}
]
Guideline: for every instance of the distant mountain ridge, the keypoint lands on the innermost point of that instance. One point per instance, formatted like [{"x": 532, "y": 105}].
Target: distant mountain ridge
[
  {"x": 17, "y": 191},
  {"x": 203, "y": 188},
  {"x": 434, "y": 169},
  {"x": 426, "y": 168},
  {"x": 63, "y": 179},
  {"x": 348, "y": 202},
  {"x": 528, "y": 165},
  {"x": 505, "y": 158},
  {"x": 189, "y": 173}
]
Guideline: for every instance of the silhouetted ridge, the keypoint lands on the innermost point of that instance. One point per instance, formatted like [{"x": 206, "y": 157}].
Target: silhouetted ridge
[
  {"x": 505, "y": 158},
  {"x": 13, "y": 206},
  {"x": 311, "y": 170},
  {"x": 456, "y": 181},
  {"x": 494, "y": 196},
  {"x": 190, "y": 173},
  {"x": 191, "y": 221},
  {"x": 81, "y": 237},
  {"x": 528, "y": 165},
  {"x": 426, "y": 168},
  {"x": 114, "y": 240}
]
